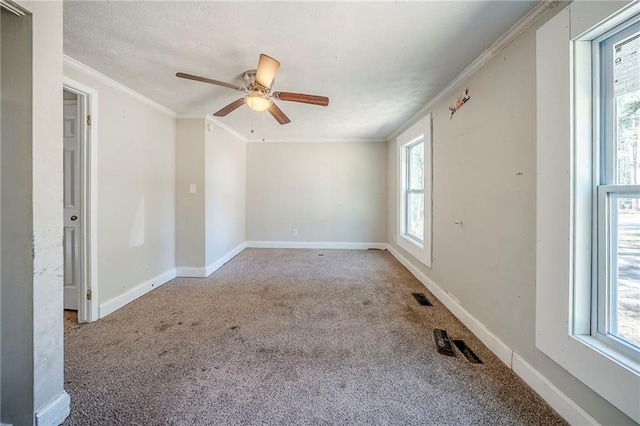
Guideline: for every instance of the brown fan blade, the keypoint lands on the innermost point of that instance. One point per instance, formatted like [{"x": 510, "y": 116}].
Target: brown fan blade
[
  {"x": 230, "y": 108},
  {"x": 267, "y": 69},
  {"x": 300, "y": 97},
  {"x": 210, "y": 81},
  {"x": 278, "y": 114}
]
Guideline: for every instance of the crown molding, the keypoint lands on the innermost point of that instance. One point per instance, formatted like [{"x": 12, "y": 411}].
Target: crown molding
[
  {"x": 79, "y": 66},
  {"x": 316, "y": 140},
  {"x": 513, "y": 33},
  {"x": 210, "y": 118}
]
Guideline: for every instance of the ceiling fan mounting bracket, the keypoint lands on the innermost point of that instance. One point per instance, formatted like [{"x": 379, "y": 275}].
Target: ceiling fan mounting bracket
[{"x": 252, "y": 85}]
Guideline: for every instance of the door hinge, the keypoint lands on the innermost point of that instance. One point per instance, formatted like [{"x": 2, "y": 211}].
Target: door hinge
[
  {"x": 88, "y": 120},
  {"x": 88, "y": 294}
]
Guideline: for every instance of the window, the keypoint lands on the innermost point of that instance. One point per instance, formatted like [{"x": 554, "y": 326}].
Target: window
[
  {"x": 586, "y": 249},
  {"x": 414, "y": 200},
  {"x": 616, "y": 230},
  {"x": 414, "y": 197}
]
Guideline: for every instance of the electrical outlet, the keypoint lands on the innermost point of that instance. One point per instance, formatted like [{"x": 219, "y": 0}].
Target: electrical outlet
[{"x": 295, "y": 232}]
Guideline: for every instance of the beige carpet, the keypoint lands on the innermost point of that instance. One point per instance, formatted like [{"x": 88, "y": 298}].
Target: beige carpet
[{"x": 289, "y": 337}]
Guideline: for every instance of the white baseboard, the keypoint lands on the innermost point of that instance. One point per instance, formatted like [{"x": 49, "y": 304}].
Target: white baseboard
[
  {"x": 565, "y": 406},
  {"x": 200, "y": 272},
  {"x": 315, "y": 245},
  {"x": 190, "y": 272},
  {"x": 224, "y": 259},
  {"x": 559, "y": 401},
  {"x": 55, "y": 411},
  {"x": 493, "y": 342},
  {"x": 119, "y": 301}
]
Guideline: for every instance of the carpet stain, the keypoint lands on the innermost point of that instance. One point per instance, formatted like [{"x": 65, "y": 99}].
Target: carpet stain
[
  {"x": 163, "y": 327},
  {"x": 356, "y": 349},
  {"x": 411, "y": 315}
]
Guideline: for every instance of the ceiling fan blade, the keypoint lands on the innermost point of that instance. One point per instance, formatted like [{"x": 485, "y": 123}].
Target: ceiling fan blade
[
  {"x": 278, "y": 114},
  {"x": 210, "y": 81},
  {"x": 267, "y": 69},
  {"x": 300, "y": 97},
  {"x": 230, "y": 108}
]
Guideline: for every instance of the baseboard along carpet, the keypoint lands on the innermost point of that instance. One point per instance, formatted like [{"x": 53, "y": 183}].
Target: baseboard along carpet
[{"x": 290, "y": 336}]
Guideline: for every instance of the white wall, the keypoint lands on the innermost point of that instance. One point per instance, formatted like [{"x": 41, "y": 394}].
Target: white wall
[
  {"x": 32, "y": 340},
  {"x": 47, "y": 213},
  {"x": 210, "y": 222},
  {"x": 136, "y": 189},
  {"x": 190, "y": 207},
  {"x": 484, "y": 176},
  {"x": 17, "y": 221},
  {"x": 226, "y": 185},
  {"x": 330, "y": 192}
]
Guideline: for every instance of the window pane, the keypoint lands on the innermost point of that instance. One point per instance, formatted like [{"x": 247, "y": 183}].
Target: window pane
[
  {"x": 628, "y": 138},
  {"x": 415, "y": 215},
  {"x": 415, "y": 169},
  {"x": 625, "y": 296}
]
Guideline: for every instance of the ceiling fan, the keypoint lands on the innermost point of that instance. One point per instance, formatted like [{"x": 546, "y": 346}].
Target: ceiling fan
[{"x": 258, "y": 91}]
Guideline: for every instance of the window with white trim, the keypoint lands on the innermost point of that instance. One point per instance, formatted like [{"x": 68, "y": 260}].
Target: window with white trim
[
  {"x": 582, "y": 250},
  {"x": 616, "y": 228},
  {"x": 414, "y": 192}
]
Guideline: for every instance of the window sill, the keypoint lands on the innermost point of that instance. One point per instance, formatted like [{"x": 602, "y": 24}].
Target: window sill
[{"x": 622, "y": 359}]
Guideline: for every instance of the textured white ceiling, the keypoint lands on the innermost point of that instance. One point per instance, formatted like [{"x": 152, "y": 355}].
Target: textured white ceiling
[{"x": 378, "y": 62}]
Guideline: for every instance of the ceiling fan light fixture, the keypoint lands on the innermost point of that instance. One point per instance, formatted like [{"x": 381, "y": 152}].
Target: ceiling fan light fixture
[
  {"x": 267, "y": 69},
  {"x": 257, "y": 102}
]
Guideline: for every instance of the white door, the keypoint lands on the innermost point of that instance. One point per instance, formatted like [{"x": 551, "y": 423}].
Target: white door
[{"x": 72, "y": 217}]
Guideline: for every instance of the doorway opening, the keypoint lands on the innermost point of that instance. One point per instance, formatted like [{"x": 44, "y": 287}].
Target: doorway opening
[{"x": 79, "y": 198}]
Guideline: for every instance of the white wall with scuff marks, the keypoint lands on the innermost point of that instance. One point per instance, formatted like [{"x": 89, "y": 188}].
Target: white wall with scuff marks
[
  {"x": 47, "y": 204},
  {"x": 484, "y": 209}
]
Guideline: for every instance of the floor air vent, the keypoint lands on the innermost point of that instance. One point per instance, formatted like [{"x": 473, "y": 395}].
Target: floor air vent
[
  {"x": 422, "y": 299},
  {"x": 442, "y": 342},
  {"x": 467, "y": 352}
]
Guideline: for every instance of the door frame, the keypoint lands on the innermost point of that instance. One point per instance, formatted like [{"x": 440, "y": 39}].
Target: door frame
[{"x": 88, "y": 309}]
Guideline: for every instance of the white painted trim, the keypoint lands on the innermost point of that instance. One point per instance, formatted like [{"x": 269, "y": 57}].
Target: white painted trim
[
  {"x": 514, "y": 32},
  {"x": 55, "y": 411},
  {"x": 224, "y": 259},
  {"x": 211, "y": 119},
  {"x": 78, "y": 66},
  {"x": 315, "y": 245},
  {"x": 90, "y": 210},
  {"x": 140, "y": 290},
  {"x": 15, "y": 7},
  {"x": 182, "y": 116},
  {"x": 558, "y": 400},
  {"x": 565, "y": 406},
  {"x": 190, "y": 272},
  {"x": 223, "y": 126},
  {"x": 316, "y": 140}
]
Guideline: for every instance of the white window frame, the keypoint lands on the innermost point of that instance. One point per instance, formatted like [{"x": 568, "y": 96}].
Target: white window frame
[
  {"x": 421, "y": 250},
  {"x": 606, "y": 190},
  {"x": 566, "y": 129},
  {"x": 408, "y": 190}
]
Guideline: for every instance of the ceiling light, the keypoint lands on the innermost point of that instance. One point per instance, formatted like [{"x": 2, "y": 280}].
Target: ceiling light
[{"x": 257, "y": 102}]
